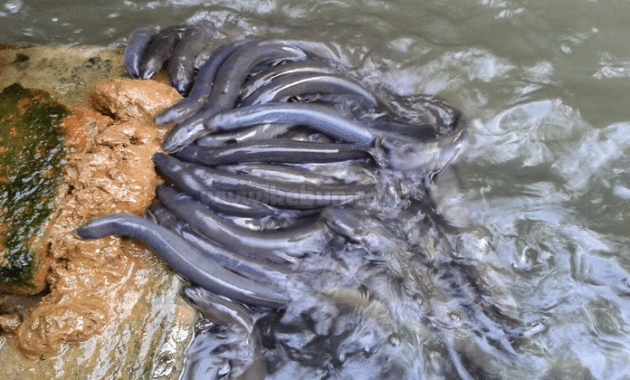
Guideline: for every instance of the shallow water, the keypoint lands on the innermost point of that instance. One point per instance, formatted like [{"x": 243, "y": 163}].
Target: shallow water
[{"x": 543, "y": 84}]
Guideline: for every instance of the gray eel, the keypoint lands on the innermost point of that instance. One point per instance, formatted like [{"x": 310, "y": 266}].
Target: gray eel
[
  {"x": 272, "y": 150},
  {"x": 325, "y": 119},
  {"x": 245, "y": 265},
  {"x": 225, "y": 202},
  {"x": 136, "y": 49},
  {"x": 226, "y": 89},
  {"x": 284, "y": 173},
  {"x": 289, "y": 68},
  {"x": 258, "y": 132},
  {"x": 181, "y": 64},
  {"x": 159, "y": 51},
  {"x": 299, "y": 196},
  {"x": 186, "y": 260},
  {"x": 201, "y": 88},
  {"x": 288, "y": 86},
  {"x": 208, "y": 358},
  {"x": 274, "y": 245}
]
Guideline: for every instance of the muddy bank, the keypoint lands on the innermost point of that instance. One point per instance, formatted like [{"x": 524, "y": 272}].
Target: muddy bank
[{"x": 112, "y": 309}]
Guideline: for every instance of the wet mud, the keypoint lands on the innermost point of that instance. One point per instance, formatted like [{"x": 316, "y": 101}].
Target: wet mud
[{"x": 109, "y": 300}]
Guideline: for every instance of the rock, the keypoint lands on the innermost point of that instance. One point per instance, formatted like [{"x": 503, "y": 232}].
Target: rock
[
  {"x": 31, "y": 157},
  {"x": 112, "y": 309},
  {"x": 138, "y": 99},
  {"x": 68, "y": 72},
  {"x": 10, "y": 322},
  {"x": 81, "y": 126}
]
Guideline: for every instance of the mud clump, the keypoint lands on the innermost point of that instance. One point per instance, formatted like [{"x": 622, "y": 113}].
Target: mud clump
[
  {"x": 127, "y": 99},
  {"x": 108, "y": 171}
]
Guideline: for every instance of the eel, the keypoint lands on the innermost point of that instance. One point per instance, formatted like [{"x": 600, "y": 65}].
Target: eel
[
  {"x": 298, "y": 196},
  {"x": 291, "y": 85},
  {"x": 159, "y": 51},
  {"x": 186, "y": 260},
  {"x": 273, "y": 150},
  {"x": 245, "y": 265},
  {"x": 236, "y": 349},
  {"x": 257, "y": 132},
  {"x": 417, "y": 131},
  {"x": 427, "y": 158},
  {"x": 284, "y": 173},
  {"x": 181, "y": 64},
  {"x": 230, "y": 77},
  {"x": 201, "y": 88},
  {"x": 225, "y": 202},
  {"x": 348, "y": 172},
  {"x": 203, "y": 56},
  {"x": 289, "y": 68},
  {"x": 136, "y": 49},
  {"x": 325, "y": 119},
  {"x": 272, "y": 245},
  {"x": 217, "y": 309}
]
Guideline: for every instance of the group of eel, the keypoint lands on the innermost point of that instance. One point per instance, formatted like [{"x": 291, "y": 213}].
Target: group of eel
[{"x": 293, "y": 189}]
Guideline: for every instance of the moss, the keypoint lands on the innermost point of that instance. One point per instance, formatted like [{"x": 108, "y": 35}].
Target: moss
[{"x": 31, "y": 159}]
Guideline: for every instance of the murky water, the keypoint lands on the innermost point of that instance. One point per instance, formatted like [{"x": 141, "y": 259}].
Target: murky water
[{"x": 544, "y": 85}]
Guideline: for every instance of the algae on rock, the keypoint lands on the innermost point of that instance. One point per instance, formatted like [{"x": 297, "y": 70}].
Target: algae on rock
[{"x": 32, "y": 157}]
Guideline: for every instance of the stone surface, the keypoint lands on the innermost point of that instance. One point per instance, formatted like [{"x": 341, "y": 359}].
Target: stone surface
[
  {"x": 31, "y": 157},
  {"x": 133, "y": 99},
  {"x": 112, "y": 310},
  {"x": 69, "y": 72}
]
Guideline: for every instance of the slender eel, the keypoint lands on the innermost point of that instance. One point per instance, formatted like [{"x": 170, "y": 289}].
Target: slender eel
[
  {"x": 284, "y": 173},
  {"x": 239, "y": 349},
  {"x": 417, "y": 131},
  {"x": 159, "y": 51},
  {"x": 202, "y": 87},
  {"x": 203, "y": 56},
  {"x": 257, "y": 132},
  {"x": 285, "y": 244},
  {"x": 427, "y": 108},
  {"x": 135, "y": 51},
  {"x": 324, "y": 119},
  {"x": 299, "y": 196},
  {"x": 264, "y": 271},
  {"x": 245, "y": 265},
  {"x": 274, "y": 150},
  {"x": 314, "y": 49},
  {"x": 429, "y": 157},
  {"x": 181, "y": 64},
  {"x": 289, "y": 68},
  {"x": 306, "y": 134},
  {"x": 230, "y": 78},
  {"x": 298, "y": 84},
  {"x": 362, "y": 229},
  {"x": 186, "y": 260},
  {"x": 159, "y": 214},
  {"x": 348, "y": 172},
  {"x": 217, "y": 309},
  {"x": 225, "y": 202}
]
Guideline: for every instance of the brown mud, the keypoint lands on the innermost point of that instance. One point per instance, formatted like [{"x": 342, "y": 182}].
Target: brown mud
[{"x": 109, "y": 300}]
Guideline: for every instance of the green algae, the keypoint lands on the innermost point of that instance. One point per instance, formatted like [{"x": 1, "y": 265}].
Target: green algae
[{"x": 31, "y": 161}]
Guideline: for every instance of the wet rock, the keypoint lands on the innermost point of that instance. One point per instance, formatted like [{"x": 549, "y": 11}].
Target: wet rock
[
  {"x": 69, "y": 72},
  {"x": 10, "y": 322},
  {"x": 138, "y": 99},
  {"x": 31, "y": 157},
  {"x": 112, "y": 308},
  {"x": 18, "y": 304}
]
